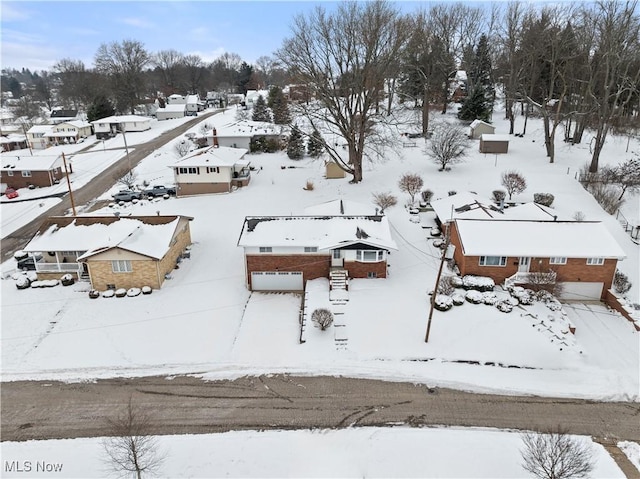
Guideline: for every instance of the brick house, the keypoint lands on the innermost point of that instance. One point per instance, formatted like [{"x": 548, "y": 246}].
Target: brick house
[
  {"x": 23, "y": 171},
  {"x": 211, "y": 170},
  {"x": 283, "y": 252},
  {"x": 582, "y": 256},
  {"x": 110, "y": 251}
]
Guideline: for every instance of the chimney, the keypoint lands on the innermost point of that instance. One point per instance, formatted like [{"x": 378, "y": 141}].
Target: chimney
[{"x": 215, "y": 138}]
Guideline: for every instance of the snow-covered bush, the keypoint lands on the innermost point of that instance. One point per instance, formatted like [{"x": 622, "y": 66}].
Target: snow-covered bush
[
  {"x": 45, "y": 283},
  {"x": 524, "y": 296},
  {"x": 110, "y": 293},
  {"x": 544, "y": 199},
  {"x": 458, "y": 299},
  {"x": 489, "y": 298},
  {"x": 131, "y": 292},
  {"x": 445, "y": 286},
  {"x": 438, "y": 243},
  {"x": 443, "y": 302},
  {"x": 323, "y": 318},
  {"x": 121, "y": 293},
  {"x": 435, "y": 231},
  {"x": 504, "y": 306},
  {"x": 93, "y": 294},
  {"x": 426, "y": 195},
  {"x": 456, "y": 281},
  {"x": 479, "y": 283},
  {"x": 23, "y": 282},
  {"x": 67, "y": 280},
  {"x": 147, "y": 290},
  {"x": 473, "y": 296},
  {"x": 498, "y": 195},
  {"x": 621, "y": 283}
]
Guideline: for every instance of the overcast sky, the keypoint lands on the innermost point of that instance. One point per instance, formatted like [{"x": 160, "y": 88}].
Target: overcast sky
[{"x": 36, "y": 35}]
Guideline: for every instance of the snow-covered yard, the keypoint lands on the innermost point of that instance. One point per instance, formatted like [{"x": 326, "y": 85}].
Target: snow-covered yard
[
  {"x": 204, "y": 319},
  {"x": 357, "y": 452}
]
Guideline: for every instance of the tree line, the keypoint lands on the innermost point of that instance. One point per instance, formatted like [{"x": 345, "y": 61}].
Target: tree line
[{"x": 575, "y": 65}]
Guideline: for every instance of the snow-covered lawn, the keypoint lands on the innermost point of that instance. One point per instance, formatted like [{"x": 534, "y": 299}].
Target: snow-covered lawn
[
  {"x": 359, "y": 452},
  {"x": 632, "y": 451},
  {"x": 205, "y": 320}
]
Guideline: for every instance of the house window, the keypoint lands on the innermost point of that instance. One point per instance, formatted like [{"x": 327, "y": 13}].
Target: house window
[
  {"x": 9, "y": 173},
  {"x": 595, "y": 261},
  {"x": 121, "y": 266},
  {"x": 369, "y": 256},
  {"x": 372, "y": 274},
  {"x": 493, "y": 260},
  {"x": 26, "y": 173},
  {"x": 189, "y": 170},
  {"x": 310, "y": 249},
  {"x": 558, "y": 260},
  {"x": 213, "y": 169},
  {"x": 266, "y": 249},
  {"x": 73, "y": 254},
  {"x": 336, "y": 254}
]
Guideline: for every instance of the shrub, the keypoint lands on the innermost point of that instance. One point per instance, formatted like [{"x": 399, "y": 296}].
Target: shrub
[
  {"x": 323, "y": 318},
  {"x": 479, "y": 283},
  {"x": 458, "y": 299},
  {"x": 504, "y": 306},
  {"x": 309, "y": 186},
  {"x": 544, "y": 199},
  {"x": 93, "y": 294},
  {"x": 410, "y": 183},
  {"x": 67, "y": 280},
  {"x": 452, "y": 192},
  {"x": 384, "y": 201},
  {"x": 621, "y": 283},
  {"x": 442, "y": 302},
  {"x": 23, "y": 282},
  {"x": 426, "y": 195},
  {"x": 606, "y": 196},
  {"x": 579, "y": 216},
  {"x": 498, "y": 195},
  {"x": 474, "y": 297},
  {"x": 489, "y": 298},
  {"x": 514, "y": 182},
  {"x": 446, "y": 285}
]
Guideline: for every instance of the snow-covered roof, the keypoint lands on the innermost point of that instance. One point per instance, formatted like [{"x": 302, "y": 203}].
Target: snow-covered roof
[
  {"x": 464, "y": 203},
  {"x": 193, "y": 98},
  {"x": 40, "y": 128},
  {"x": 538, "y": 239},
  {"x": 172, "y": 107},
  {"x": 246, "y": 128},
  {"x": 531, "y": 211},
  {"x": 340, "y": 208},
  {"x": 12, "y": 138},
  {"x": 324, "y": 232},
  {"x": 148, "y": 237},
  {"x": 494, "y": 137},
  {"x": 461, "y": 75},
  {"x": 75, "y": 123},
  {"x": 122, "y": 119},
  {"x": 30, "y": 163},
  {"x": 477, "y": 122},
  {"x": 212, "y": 156}
]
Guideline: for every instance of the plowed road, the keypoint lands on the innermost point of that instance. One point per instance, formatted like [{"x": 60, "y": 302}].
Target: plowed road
[{"x": 45, "y": 410}]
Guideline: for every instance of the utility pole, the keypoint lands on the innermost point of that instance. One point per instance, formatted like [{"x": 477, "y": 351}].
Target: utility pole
[
  {"x": 435, "y": 290},
  {"x": 126, "y": 148},
  {"x": 66, "y": 174}
]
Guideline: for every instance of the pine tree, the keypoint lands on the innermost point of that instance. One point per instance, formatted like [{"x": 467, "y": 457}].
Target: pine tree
[
  {"x": 315, "y": 146},
  {"x": 479, "y": 103},
  {"x": 260, "y": 110},
  {"x": 100, "y": 108},
  {"x": 295, "y": 148},
  {"x": 279, "y": 105}
]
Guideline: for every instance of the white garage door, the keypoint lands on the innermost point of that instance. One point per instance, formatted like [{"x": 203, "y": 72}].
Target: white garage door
[
  {"x": 276, "y": 281},
  {"x": 577, "y": 291}
]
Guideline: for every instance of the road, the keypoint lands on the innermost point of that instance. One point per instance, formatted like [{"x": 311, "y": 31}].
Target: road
[
  {"x": 189, "y": 405},
  {"x": 96, "y": 187}
]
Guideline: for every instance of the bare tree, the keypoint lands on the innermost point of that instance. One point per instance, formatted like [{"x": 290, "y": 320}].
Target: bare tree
[
  {"x": 182, "y": 147},
  {"x": 556, "y": 455},
  {"x": 168, "y": 61},
  {"x": 130, "y": 447},
  {"x": 384, "y": 201},
  {"x": 344, "y": 57},
  {"x": 126, "y": 178},
  {"x": 323, "y": 318},
  {"x": 193, "y": 68},
  {"x": 123, "y": 63},
  {"x": 514, "y": 182},
  {"x": 626, "y": 175},
  {"x": 411, "y": 183},
  {"x": 448, "y": 145}
]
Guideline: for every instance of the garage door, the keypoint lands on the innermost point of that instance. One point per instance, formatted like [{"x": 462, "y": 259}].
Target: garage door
[
  {"x": 277, "y": 281},
  {"x": 577, "y": 291}
]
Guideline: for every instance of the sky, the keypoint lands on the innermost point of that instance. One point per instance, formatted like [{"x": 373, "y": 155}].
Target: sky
[{"x": 36, "y": 35}]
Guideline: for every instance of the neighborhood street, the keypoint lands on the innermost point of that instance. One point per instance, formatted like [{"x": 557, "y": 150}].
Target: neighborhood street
[
  {"x": 98, "y": 185},
  {"x": 190, "y": 405}
]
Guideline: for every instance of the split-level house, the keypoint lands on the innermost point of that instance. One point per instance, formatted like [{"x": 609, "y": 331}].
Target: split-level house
[
  {"x": 581, "y": 256},
  {"x": 23, "y": 171},
  {"x": 281, "y": 253},
  {"x": 215, "y": 169},
  {"x": 69, "y": 132},
  {"x": 110, "y": 251},
  {"x": 36, "y": 136}
]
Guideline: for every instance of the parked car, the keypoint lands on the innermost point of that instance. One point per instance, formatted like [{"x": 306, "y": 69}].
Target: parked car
[
  {"x": 26, "y": 262},
  {"x": 127, "y": 195},
  {"x": 11, "y": 193},
  {"x": 159, "y": 190}
]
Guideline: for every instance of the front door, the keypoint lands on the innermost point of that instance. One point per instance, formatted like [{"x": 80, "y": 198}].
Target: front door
[
  {"x": 336, "y": 259},
  {"x": 523, "y": 264}
]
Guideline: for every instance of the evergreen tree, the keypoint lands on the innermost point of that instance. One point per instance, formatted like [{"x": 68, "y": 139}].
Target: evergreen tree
[
  {"x": 295, "y": 148},
  {"x": 479, "y": 103},
  {"x": 279, "y": 105},
  {"x": 101, "y": 107},
  {"x": 315, "y": 146},
  {"x": 260, "y": 110},
  {"x": 243, "y": 78}
]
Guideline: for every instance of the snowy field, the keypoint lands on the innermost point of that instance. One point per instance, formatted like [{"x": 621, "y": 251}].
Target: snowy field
[
  {"x": 359, "y": 452},
  {"x": 205, "y": 321}
]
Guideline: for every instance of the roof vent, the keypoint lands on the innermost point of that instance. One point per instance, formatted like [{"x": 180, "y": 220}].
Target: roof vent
[{"x": 361, "y": 234}]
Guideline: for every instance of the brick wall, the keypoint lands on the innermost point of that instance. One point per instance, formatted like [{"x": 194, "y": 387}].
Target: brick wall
[
  {"x": 186, "y": 189},
  {"x": 167, "y": 264},
  {"x": 312, "y": 266},
  {"x": 357, "y": 269},
  {"x": 144, "y": 273},
  {"x": 613, "y": 302},
  {"x": 37, "y": 178}
]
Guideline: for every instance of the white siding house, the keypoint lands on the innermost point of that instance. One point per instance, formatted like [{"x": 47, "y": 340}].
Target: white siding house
[
  {"x": 109, "y": 126},
  {"x": 169, "y": 112}
]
